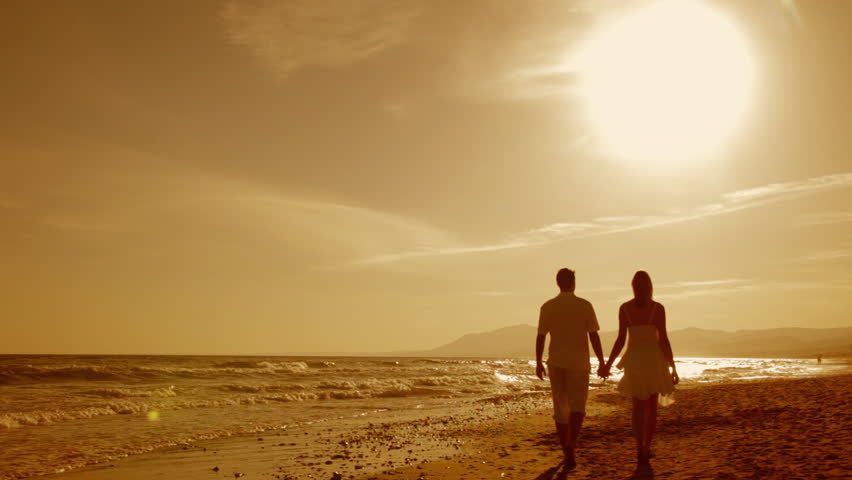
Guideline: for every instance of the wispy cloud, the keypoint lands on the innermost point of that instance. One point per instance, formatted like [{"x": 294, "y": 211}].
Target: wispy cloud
[
  {"x": 77, "y": 223},
  {"x": 813, "y": 285},
  {"x": 561, "y": 231},
  {"x": 825, "y": 218},
  {"x": 706, "y": 288},
  {"x": 792, "y": 10},
  {"x": 703, "y": 292},
  {"x": 483, "y": 49},
  {"x": 290, "y": 35},
  {"x": 690, "y": 288},
  {"x": 336, "y": 230},
  {"x": 826, "y": 255},
  {"x": 705, "y": 283},
  {"x": 492, "y": 294},
  {"x": 208, "y": 210}
]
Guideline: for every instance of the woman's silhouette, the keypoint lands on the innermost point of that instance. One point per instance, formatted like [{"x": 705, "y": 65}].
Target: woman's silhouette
[{"x": 647, "y": 361}]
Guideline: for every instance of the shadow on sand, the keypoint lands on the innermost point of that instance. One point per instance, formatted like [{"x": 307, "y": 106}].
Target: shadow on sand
[
  {"x": 642, "y": 472},
  {"x": 559, "y": 472},
  {"x": 553, "y": 473}
]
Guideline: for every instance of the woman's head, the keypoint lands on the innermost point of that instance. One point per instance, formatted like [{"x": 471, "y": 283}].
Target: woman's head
[{"x": 643, "y": 289}]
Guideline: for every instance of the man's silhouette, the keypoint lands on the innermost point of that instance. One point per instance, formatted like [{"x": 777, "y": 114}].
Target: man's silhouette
[{"x": 571, "y": 323}]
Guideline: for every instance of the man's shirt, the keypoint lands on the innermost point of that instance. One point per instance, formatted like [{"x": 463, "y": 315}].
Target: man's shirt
[{"x": 568, "y": 319}]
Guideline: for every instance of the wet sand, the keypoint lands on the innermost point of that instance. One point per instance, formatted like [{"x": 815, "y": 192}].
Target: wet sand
[{"x": 773, "y": 429}]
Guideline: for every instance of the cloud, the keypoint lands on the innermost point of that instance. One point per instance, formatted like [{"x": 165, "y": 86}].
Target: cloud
[
  {"x": 812, "y": 285},
  {"x": 77, "y": 223},
  {"x": 287, "y": 36},
  {"x": 493, "y": 294},
  {"x": 481, "y": 48},
  {"x": 337, "y": 232},
  {"x": 193, "y": 208},
  {"x": 703, "y": 292},
  {"x": 690, "y": 288},
  {"x": 826, "y": 255},
  {"x": 609, "y": 225},
  {"x": 705, "y": 283},
  {"x": 825, "y": 218},
  {"x": 792, "y": 10}
]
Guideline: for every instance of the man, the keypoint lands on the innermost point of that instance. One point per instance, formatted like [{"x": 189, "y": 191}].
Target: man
[{"x": 569, "y": 320}]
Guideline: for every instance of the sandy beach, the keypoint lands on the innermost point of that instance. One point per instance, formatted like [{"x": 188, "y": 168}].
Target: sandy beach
[
  {"x": 769, "y": 429},
  {"x": 783, "y": 429}
]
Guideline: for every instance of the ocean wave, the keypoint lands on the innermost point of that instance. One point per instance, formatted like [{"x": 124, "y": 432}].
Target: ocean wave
[
  {"x": 24, "y": 373},
  {"x": 19, "y": 419},
  {"x": 226, "y": 368},
  {"x": 259, "y": 388},
  {"x": 131, "y": 393},
  {"x": 19, "y": 374}
]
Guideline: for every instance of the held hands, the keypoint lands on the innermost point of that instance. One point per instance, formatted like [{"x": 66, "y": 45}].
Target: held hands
[
  {"x": 603, "y": 370},
  {"x": 540, "y": 371}
]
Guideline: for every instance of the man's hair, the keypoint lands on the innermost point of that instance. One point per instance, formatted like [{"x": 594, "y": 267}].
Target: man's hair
[{"x": 565, "y": 278}]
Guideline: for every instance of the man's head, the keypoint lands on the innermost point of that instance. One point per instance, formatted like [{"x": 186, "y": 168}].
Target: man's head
[{"x": 565, "y": 280}]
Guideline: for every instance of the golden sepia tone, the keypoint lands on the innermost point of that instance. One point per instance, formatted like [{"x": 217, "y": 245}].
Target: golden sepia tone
[{"x": 254, "y": 219}]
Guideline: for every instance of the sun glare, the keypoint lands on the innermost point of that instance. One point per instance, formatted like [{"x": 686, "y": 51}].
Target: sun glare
[{"x": 667, "y": 84}]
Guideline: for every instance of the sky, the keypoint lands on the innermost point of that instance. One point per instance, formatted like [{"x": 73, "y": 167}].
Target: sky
[{"x": 259, "y": 177}]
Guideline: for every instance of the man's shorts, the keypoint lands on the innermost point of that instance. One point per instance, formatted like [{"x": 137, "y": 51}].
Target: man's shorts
[{"x": 569, "y": 388}]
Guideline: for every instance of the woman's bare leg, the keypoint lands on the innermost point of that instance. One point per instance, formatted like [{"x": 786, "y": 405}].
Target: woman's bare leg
[
  {"x": 650, "y": 422},
  {"x": 638, "y": 426}
]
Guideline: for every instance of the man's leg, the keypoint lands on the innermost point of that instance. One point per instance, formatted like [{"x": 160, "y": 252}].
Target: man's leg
[
  {"x": 561, "y": 411},
  {"x": 576, "y": 424},
  {"x": 577, "y": 392},
  {"x": 564, "y": 432}
]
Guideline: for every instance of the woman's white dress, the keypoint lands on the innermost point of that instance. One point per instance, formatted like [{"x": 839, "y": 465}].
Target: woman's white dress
[{"x": 645, "y": 368}]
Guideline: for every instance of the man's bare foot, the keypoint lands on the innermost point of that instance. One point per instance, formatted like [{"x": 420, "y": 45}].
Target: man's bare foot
[{"x": 643, "y": 457}]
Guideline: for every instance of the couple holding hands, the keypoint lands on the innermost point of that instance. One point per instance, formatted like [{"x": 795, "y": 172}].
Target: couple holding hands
[{"x": 648, "y": 364}]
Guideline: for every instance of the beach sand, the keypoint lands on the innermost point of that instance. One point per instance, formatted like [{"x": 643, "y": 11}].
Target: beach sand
[{"x": 762, "y": 429}]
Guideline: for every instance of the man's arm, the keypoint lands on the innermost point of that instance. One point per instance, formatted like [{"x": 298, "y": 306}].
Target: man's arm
[
  {"x": 593, "y": 327},
  {"x": 540, "y": 371},
  {"x": 596, "y": 346}
]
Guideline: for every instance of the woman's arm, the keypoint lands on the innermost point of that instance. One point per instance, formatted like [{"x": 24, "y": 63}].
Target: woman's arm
[
  {"x": 619, "y": 341},
  {"x": 665, "y": 344}
]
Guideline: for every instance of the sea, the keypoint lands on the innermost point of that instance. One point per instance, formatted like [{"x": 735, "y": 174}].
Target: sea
[{"x": 64, "y": 412}]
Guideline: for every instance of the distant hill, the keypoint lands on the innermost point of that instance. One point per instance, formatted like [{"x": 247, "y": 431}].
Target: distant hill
[{"x": 519, "y": 341}]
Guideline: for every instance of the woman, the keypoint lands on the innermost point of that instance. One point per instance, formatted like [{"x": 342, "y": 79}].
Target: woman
[{"x": 646, "y": 362}]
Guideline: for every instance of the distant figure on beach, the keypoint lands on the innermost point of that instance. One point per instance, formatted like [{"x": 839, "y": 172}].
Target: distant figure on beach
[
  {"x": 648, "y": 363},
  {"x": 819, "y": 358},
  {"x": 571, "y": 323}
]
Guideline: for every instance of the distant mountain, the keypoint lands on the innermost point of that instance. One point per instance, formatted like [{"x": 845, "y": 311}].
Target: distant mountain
[{"x": 519, "y": 341}]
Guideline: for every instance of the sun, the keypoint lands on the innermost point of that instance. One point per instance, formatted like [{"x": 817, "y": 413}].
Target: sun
[{"x": 667, "y": 84}]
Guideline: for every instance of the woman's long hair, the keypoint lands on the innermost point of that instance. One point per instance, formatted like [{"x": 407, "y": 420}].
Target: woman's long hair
[{"x": 643, "y": 289}]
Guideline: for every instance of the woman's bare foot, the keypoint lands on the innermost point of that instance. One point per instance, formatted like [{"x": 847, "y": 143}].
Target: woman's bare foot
[{"x": 569, "y": 461}]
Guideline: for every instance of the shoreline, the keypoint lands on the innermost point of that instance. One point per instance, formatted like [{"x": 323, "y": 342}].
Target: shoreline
[
  {"x": 761, "y": 429},
  {"x": 766, "y": 428}
]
